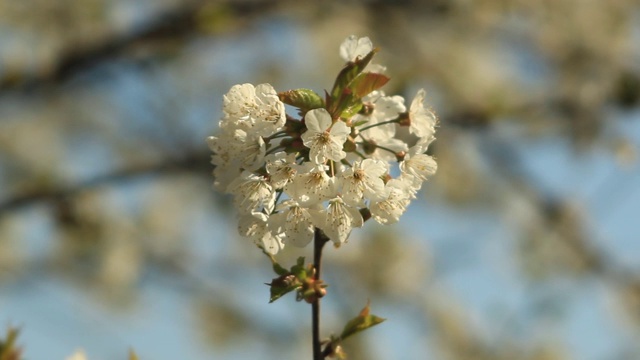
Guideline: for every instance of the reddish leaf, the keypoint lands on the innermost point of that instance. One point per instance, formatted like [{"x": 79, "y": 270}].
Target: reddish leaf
[{"x": 367, "y": 82}]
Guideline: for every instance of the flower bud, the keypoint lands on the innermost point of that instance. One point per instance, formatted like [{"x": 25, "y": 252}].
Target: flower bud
[
  {"x": 369, "y": 147},
  {"x": 367, "y": 109},
  {"x": 404, "y": 119},
  {"x": 312, "y": 289},
  {"x": 349, "y": 145}
]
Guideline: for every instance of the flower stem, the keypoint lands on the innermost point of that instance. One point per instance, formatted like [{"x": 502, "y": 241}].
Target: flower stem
[
  {"x": 319, "y": 239},
  {"x": 379, "y": 124},
  {"x": 279, "y": 134},
  {"x": 275, "y": 149}
]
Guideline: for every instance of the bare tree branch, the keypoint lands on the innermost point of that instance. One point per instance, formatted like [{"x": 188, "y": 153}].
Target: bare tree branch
[
  {"x": 176, "y": 23},
  {"x": 196, "y": 163}
]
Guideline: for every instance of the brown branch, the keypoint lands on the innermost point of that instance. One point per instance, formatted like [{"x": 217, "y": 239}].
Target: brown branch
[
  {"x": 319, "y": 239},
  {"x": 176, "y": 23},
  {"x": 195, "y": 162}
]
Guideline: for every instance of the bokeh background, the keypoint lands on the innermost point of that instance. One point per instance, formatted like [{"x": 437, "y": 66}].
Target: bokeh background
[{"x": 525, "y": 245}]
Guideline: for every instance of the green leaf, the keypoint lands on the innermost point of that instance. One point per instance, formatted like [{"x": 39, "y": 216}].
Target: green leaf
[
  {"x": 283, "y": 285},
  {"x": 279, "y": 269},
  {"x": 289, "y": 280},
  {"x": 277, "y": 293},
  {"x": 349, "y": 72},
  {"x": 304, "y": 99},
  {"x": 347, "y": 105},
  {"x": 367, "y": 82},
  {"x": 351, "y": 110},
  {"x": 363, "y": 321}
]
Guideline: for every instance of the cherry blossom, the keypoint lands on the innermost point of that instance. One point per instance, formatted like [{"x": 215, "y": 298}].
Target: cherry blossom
[
  {"x": 295, "y": 221},
  {"x": 422, "y": 120},
  {"x": 416, "y": 163},
  {"x": 256, "y": 227},
  {"x": 324, "y": 138},
  {"x": 353, "y": 47},
  {"x": 290, "y": 176},
  {"x": 363, "y": 180},
  {"x": 338, "y": 220},
  {"x": 397, "y": 196},
  {"x": 252, "y": 192}
]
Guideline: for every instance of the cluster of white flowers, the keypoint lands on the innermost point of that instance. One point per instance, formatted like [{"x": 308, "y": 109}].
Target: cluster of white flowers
[{"x": 289, "y": 176}]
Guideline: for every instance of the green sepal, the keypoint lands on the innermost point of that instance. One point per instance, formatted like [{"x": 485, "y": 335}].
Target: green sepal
[
  {"x": 349, "y": 72},
  {"x": 304, "y": 99},
  {"x": 363, "y": 321},
  {"x": 299, "y": 270},
  {"x": 367, "y": 82}
]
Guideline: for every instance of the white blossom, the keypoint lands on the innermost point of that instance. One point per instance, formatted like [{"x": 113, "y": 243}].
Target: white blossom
[
  {"x": 353, "y": 47},
  {"x": 252, "y": 192},
  {"x": 378, "y": 141},
  {"x": 324, "y": 138},
  {"x": 251, "y": 151},
  {"x": 338, "y": 220},
  {"x": 383, "y": 109},
  {"x": 281, "y": 168},
  {"x": 322, "y": 170},
  {"x": 256, "y": 227},
  {"x": 270, "y": 115},
  {"x": 397, "y": 196},
  {"x": 311, "y": 185},
  {"x": 223, "y": 176},
  {"x": 384, "y": 149},
  {"x": 257, "y": 109},
  {"x": 295, "y": 222},
  {"x": 235, "y": 151},
  {"x": 416, "y": 163},
  {"x": 423, "y": 120},
  {"x": 363, "y": 180}
]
